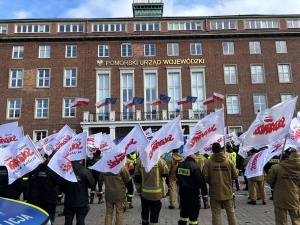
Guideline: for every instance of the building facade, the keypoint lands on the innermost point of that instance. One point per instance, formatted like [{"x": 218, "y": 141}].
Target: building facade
[{"x": 47, "y": 63}]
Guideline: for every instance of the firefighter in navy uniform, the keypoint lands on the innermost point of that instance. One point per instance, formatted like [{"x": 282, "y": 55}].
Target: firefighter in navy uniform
[{"x": 190, "y": 180}]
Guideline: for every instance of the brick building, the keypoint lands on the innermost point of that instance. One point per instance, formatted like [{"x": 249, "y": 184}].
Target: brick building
[{"x": 47, "y": 63}]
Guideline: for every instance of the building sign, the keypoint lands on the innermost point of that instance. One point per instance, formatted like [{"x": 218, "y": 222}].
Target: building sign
[{"x": 150, "y": 62}]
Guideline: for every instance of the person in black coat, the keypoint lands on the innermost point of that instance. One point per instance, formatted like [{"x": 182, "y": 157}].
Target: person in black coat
[
  {"x": 76, "y": 194},
  {"x": 13, "y": 190}
]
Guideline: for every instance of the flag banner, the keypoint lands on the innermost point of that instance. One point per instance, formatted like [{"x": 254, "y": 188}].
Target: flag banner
[
  {"x": 187, "y": 99},
  {"x": 79, "y": 102},
  {"x": 134, "y": 101},
  {"x": 295, "y": 128},
  {"x": 78, "y": 147},
  {"x": 218, "y": 97},
  {"x": 9, "y": 134},
  {"x": 114, "y": 160},
  {"x": 256, "y": 164},
  {"x": 270, "y": 124},
  {"x": 20, "y": 158},
  {"x": 164, "y": 98},
  {"x": 206, "y": 131},
  {"x": 42, "y": 145},
  {"x": 156, "y": 102},
  {"x": 61, "y": 163},
  {"x": 208, "y": 101},
  {"x": 61, "y": 138},
  {"x": 169, "y": 136},
  {"x": 106, "y": 143},
  {"x": 149, "y": 133},
  {"x": 231, "y": 137},
  {"x": 105, "y": 102},
  {"x": 9, "y": 125},
  {"x": 111, "y": 100},
  {"x": 93, "y": 143},
  {"x": 208, "y": 149}
]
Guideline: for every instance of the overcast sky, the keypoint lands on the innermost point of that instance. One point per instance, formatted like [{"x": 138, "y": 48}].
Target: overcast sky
[{"x": 24, "y": 9}]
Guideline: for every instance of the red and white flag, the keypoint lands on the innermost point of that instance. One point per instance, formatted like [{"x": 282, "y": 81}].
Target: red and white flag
[
  {"x": 10, "y": 133},
  {"x": 169, "y": 136},
  {"x": 149, "y": 133},
  {"x": 42, "y": 145},
  {"x": 79, "y": 102},
  {"x": 155, "y": 102},
  {"x": 218, "y": 97},
  {"x": 114, "y": 160},
  {"x": 206, "y": 131},
  {"x": 78, "y": 147},
  {"x": 129, "y": 104},
  {"x": 101, "y": 103},
  {"x": 231, "y": 137},
  {"x": 93, "y": 143},
  {"x": 20, "y": 158},
  {"x": 209, "y": 101},
  {"x": 295, "y": 128},
  {"x": 208, "y": 149},
  {"x": 270, "y": 124}
]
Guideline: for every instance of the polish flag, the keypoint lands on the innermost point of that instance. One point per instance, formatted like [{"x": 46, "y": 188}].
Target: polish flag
[
  {"x": 101, "y": 103},
  {"x": 155, "y": 102},
  {"x": 182, "y": 101},
  {"x": 208, "y": 100},
  {"x": 218, "y": 96},
  {"x": 129, "y": 104},
  {"x": 79, "y": 102}
]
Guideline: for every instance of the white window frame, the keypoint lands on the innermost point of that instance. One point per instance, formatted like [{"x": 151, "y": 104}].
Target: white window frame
[
  {"x": 260, "y": 103},
  {"x": 173, "y": 49},
  {"x": 152, "y": 75},
  {"x": 254, "y": 47},
  {"x": 3, "y": 29},
  {"x": 149, "y": 49},
  {"x": 15, "y": 109},
  {"x": 236, "y": 129},
  {"x": 175, "y": 92},
  {"x": 286, "y": 96},
  {"x": 126, "y": 50},
  {"x": 71, "y": 51},
  {"x": 284, "y": 73},
  {"x": 32, "y": 28},
  {"x": 71, "y": 27},
  {"x": 228, "y": 48},
  {"x": 41, "y": 108},
  {"x": 223, "y": 25},
  {"x": 18, "y": 52},
  {"x": 196, "y": 48},
  {"x": 281, "y": 47},
  {"x": 234, "y": 108},
  {"x": 17, "y": 81},
  {"x": 198, "y": 88},
  {"x": 44, "y": 51},
  {"x": 69, "y": 75},
  {"x": 293, "y": 23},
  {"x": 109, "y": 27},
  {"x": 155, "y": 26},
  {"x": 43, "y": 78},
  {"x": 127, "y": 114},
  {"x": 255, "y": 74},
  {"x": 261, "y": 24},
  {"x": 66, "y": 110},
  {"x": 35, "y": 135},
  {"x": 103, "y": 51},
  {"x": 228, "y": 72},
  {"x": 184, "y": 26},
  {"x": 103, "y": 91}
]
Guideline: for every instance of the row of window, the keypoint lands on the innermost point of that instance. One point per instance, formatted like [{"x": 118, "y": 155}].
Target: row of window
[
  {"x": 151, "y": 26},
  {"x": 149, "y": 49}
]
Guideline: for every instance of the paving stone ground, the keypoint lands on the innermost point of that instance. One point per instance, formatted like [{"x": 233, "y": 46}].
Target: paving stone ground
[{"x": 246, "y": 214}]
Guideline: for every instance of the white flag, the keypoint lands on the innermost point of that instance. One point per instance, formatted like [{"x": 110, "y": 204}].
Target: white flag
[
  {"x": 270, "y": 124},
  {"x": 78, "y": 147},
  {"x": 208, "y": 149},
  {"x": 207, "y": 131},
  {"x": 114, "y": 160},
  {"x": 42, "y": 145},
  {"x": 10, "y": 133},
  {"x": 93, "y": 143},
  {"x": 231, "y": 137},
  {"x": 168, "y": 137},
  {"x": 148, "y": 133},
  {"x": 20, "y": 158}
]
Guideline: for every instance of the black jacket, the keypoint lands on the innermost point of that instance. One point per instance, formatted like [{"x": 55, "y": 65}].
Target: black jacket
[
  {"x": 189, "y": 176},
  {"x": 76, "y": 193},
  {"x": 12, "y": 191}
]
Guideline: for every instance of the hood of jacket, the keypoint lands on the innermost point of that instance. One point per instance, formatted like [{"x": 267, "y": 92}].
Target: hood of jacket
[
  {"x": 218, "y": 157},
  {"x": 177, "y": 157},
  {"x": 76, "y": 166},
  {"x": 292, "y": 164}
]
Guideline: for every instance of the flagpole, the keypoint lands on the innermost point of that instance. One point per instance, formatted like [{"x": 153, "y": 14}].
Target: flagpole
[{"x": 286, "y": 136}]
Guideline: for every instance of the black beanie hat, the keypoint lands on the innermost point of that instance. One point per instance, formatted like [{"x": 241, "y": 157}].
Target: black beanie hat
[{"x": 216, "y": 147}]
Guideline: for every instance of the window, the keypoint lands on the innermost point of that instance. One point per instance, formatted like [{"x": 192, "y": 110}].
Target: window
[
  {"x": 257, "y": 74},
  {"x": 237, "y": 130},
  {"x": 3, "y": 29},
  {"x": 147, "y": 27},
  {"x": 285, "y": 97},
  {"x": 223, "y": 25},
  {"x": 254, "y": 47},
  {"x": 293, "y": 23},
  {"x": 18, "y": 52},
  {"x": 13, "y": 108},
  {"x": 44, "y": 51},
  {"x": 127, "y": 87},
  {"x": 67, "y": 111},
  {"x": 150, "y": 93},
  {"x": 261, "y": 24},
  {"x": 196, "y": 48},
  {"x": 103, "y": 91},
  {"x": 126, "y": 49},
  {"x": 174, "y": 91},
  {"x": 32, "y": 28},
  {"x": 232, "y": 102},
  {"x": 173, "y": 49},
  {"x": 41, "y": 108},
  {"x": 70, "y": 28},
  {"x": 71, "y": 51},
  {"x": 284, "y": 73},
  {"x": 103, "y": 50},
  {"x": 281, "y": 47},
  {"x": 260, "y": 103},
  {"x": 109, "y": 27},
  {"x": 39, "y": 135},
  {"x": 230, "y": 74},
  {"x": 185, "y": 26},
  {"x": 70, "y": 77},
  {"x": 16, "y": 77},
  {"x": 43, "y": 79},
  {"x": 198, "y": 90},
  {"x": 228, "y": 48},
  {"x": 149, "y": 49}
]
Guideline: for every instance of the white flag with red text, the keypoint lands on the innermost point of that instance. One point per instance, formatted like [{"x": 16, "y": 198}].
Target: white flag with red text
[
  {"x": 93, "y": 143},
  {"x": 20, "y": 158},
  {"x": 207, "y": 131},
  {"x": 270, "y": 124},
  {"x": 78, "y": 147},
  {"x": 231, "y": 137},
  {"x": 10, "y": 133},
  {"x": 42, "y": 145},
  {"x": 168, "y": 137},
  {"x": 295, "y": 128},
  {"x": 114, "y": 160},
  {"x": 208, "y": 149}
]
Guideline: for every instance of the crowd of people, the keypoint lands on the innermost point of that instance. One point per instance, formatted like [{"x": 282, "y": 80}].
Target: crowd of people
[{"x": 190, "y": 182}]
